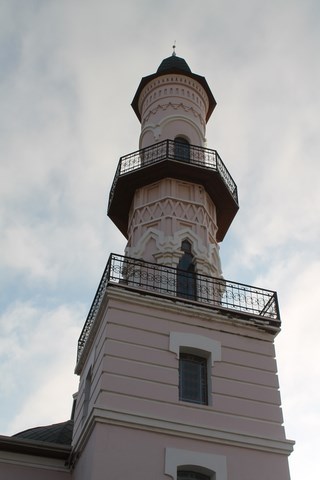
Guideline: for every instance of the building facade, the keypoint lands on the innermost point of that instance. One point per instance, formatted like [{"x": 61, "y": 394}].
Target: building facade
[{"x": 178, "y": 377}]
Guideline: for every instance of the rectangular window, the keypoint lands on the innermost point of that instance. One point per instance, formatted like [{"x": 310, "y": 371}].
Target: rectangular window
[{"x": 193, "y": 380}]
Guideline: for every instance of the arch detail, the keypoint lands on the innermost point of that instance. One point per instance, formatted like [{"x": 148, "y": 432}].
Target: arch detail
[{"x": 215, "y": 464}]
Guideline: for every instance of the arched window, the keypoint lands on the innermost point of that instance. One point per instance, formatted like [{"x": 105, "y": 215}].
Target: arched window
[
  {"x": 190, "y": 475},
  {"x": 181, "y": 149},
  {"x": 186, "y": 277},
  {"x": 187, "y": 465}
]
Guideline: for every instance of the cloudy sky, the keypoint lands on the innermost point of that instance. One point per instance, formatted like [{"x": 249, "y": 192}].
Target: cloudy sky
[{"x": 68, "y": 73}]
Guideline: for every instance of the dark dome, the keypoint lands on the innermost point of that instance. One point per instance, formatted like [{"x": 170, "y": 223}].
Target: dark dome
[
  {"x": 173, "y": 63},
  {"x": 57, "y": 433}
]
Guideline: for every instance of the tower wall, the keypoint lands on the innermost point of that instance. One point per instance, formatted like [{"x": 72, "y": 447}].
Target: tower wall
[
  {"x": 118, "y": 455},
  {"x": 167, "y": 212},
  {"x": 177, "y": 368},
  {"x": 173, "y": 105},
  {"x": 135, "y": 367},
  {"x": 135, "y": 413}
]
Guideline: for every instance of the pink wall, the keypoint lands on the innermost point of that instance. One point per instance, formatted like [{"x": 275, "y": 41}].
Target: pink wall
[
  {"x": 118, "y": 452},
  {"x": 10, "y": 471},
  {"x": 140, "y": 370}
]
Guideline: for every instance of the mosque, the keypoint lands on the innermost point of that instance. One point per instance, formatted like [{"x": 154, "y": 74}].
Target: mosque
[{"x": 176, "y": 364}]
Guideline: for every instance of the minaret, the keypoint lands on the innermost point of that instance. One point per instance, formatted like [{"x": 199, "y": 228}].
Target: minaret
[
  {"x": 178, "y": 377},
  {"x": 180, "y": 190}
]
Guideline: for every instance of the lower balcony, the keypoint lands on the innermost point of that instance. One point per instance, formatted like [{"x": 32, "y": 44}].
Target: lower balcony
[{"x": 239, "y": 300}]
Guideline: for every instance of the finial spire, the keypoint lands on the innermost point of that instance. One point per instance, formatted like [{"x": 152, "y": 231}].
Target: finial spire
[{"x": 174, "y": 49}]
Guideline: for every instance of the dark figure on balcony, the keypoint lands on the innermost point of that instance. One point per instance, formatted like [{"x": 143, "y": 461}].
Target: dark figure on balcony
[
  {"x": 186, "y": 277},
  {"x": 181, "y": 149}
]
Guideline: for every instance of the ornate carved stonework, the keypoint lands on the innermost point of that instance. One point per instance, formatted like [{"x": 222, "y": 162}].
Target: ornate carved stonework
[
  {"x": 174, "y": 106},
  {"x": 166, "y": 213},
  {"x": 173, "y": 86},
  {"x": 169, "y": 208}
]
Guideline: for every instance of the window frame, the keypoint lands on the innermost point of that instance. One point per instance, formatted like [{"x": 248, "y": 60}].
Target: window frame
[
  {"x": 193, "y": 378},
  {"x": 181, "y": 342},
  {"x": 208, "y": 463}
]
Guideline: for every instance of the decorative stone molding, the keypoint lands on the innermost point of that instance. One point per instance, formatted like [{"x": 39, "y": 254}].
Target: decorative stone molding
[
  {"x": 173, "y": 85},
  {"x": 168, "y": 212},
  {"x": 206, "y": 462},
  {"x": 160, "y": 131},
  {"x": 181, "y": 209},
  {"x": 174, "y": 106},
  {"x": 176, "y": 99},
  {"x": 167, "y": 250},
  {"x": 197, "y": 342}
]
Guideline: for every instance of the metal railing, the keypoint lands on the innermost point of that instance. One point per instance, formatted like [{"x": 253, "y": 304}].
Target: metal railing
[
  {"x": 171, "y": 150},
  {"x": 236, "y": 298}
]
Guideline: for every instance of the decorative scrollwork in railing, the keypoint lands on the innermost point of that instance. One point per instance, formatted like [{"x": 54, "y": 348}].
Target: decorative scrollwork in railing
[{"x": 243, "y": 300}]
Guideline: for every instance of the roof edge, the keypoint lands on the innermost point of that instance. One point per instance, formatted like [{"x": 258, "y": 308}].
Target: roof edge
[{"x": 34, "y": 447}]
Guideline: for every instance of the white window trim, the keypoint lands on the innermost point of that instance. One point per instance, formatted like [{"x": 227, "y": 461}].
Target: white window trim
[
  {"x": 199, "y": 345},
  {"x": 175, "y": 458},
  {"x": 180, "y": 340}
]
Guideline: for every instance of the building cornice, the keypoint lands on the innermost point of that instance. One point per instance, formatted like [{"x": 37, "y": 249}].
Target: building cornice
[
  {"x": 221, "y": 437},
  {"x": 220, "y": 317},
  {"x": 225, "y": 320}
]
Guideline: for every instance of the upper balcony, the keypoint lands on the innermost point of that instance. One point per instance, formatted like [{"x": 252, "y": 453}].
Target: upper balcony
[
  {"x": 249, "y": 304},
  {"x": 176, "y": 160}
]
